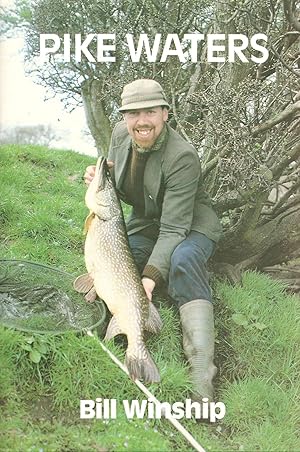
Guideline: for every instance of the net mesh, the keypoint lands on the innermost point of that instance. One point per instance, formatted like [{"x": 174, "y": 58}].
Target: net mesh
[{"x": 41, "y": 299}]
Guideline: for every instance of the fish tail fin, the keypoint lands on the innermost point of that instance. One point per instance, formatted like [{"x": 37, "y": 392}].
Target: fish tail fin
[{"x": 142, "y": 368}]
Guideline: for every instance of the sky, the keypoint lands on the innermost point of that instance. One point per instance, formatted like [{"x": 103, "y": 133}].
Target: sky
[{"x": 23, "y": 101}]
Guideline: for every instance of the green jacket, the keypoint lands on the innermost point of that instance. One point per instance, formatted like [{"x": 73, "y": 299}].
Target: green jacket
[{"x": 173, "y": 192}]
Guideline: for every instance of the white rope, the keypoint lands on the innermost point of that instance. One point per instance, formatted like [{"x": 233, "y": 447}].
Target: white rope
[{"x": 143, "y": 388}]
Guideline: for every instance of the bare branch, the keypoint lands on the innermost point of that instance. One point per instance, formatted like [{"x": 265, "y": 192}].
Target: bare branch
[
  {"x": 285, "y": 115},
  {"x": 284, "y": 198},
  {"x": 291, "y": 157},
  {"x": 289, "y": 14},
  {"x": 180, "y": 128},
  {"x": 289, "y": 68},
  {"x": 224, "y": 204}
]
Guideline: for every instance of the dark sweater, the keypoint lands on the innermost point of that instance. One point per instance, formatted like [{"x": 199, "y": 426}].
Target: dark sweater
[{"x": 133, "y": 188}]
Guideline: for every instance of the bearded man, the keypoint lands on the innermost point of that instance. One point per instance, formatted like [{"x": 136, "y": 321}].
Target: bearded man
[{"x": 172, "y": 228}]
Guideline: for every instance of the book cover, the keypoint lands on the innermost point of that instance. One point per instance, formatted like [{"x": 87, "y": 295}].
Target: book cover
[{"x": 230, "y": 79}]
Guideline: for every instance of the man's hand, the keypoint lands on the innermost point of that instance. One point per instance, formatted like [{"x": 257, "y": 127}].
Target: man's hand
[
  {"x": 90, "y": 172},
  {"x": 149, "y": 285}
]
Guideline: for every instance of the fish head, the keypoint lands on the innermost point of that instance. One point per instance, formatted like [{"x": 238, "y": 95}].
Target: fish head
[{"x": 101, "y": 197}]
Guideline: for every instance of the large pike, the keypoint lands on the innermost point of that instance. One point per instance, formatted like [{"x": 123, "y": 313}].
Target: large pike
[{"x": 113, "y": 275}]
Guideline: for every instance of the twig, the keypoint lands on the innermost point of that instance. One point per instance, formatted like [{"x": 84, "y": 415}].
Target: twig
[
  {"x": 139, "y": 15},
  {"x": 285, "y": 115},
  {"x": 174, "y": 110},
  {"x": 290, "y": 15},
  {"x": 289, "y": 68},
  {"x": 294, "y": 154},
  {"x": 193, "y": 85},
  {"x": 285, "y": 197}
]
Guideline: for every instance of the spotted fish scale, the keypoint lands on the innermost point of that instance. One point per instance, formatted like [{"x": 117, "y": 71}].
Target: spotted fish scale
[{"x": 113, "y": 275}]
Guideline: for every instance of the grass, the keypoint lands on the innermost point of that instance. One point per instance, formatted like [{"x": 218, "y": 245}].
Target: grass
[
  {"x": 258, "y": 336},
  {"x": 40, "y": 193}
]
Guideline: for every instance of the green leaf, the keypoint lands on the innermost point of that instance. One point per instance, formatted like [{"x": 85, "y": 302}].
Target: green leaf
[
  {"x": 35, "y": 356},
  {"x": 260, "y": 326},
  {"x": 42, "y": 348},
  {"x": 26, "y": 347},
  {"x": 240, "y": 319}
]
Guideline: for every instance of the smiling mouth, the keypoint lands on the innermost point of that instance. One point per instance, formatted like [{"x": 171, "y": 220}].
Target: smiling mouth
[{"x": 143, "y": 132}]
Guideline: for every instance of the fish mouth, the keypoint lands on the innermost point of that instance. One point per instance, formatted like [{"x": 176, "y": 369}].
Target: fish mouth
[
  {"x": 97, "y": 197},
  {"x": 102, "y": 174}
]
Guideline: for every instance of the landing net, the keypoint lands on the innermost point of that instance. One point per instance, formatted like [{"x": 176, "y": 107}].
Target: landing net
[{"x": 40, "y": 299}]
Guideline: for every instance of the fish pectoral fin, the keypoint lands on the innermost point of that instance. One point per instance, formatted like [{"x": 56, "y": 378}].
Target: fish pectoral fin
[
  {"x": 154, "y": 322},
  {"x": 113, "y": 329},
  {"x": 91, "y": 295},
  {"x": 83, "y": 283},
  {"x": 88, "y": 221}
]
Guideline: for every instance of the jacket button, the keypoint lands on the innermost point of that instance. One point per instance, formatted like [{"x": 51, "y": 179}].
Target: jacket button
[{"x": 150, "y": 197}]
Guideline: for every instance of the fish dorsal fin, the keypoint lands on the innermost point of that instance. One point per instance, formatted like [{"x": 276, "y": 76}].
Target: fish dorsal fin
[
  {"x": 154, "y": 323},
  {"x": 83, "y": 283},
  {"x": 88, "y": 221},
  {"x": 113, "y": 329}
]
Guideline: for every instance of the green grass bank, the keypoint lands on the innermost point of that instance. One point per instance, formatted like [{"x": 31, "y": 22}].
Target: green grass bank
[{"x": 42, "y": 213}]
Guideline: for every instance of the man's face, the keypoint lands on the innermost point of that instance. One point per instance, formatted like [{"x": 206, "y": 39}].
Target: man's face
[{"x": 145, "y": 125}]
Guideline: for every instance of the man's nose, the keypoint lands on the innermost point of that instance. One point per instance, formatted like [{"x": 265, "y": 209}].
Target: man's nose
[{"x": 143, "y": 117}]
